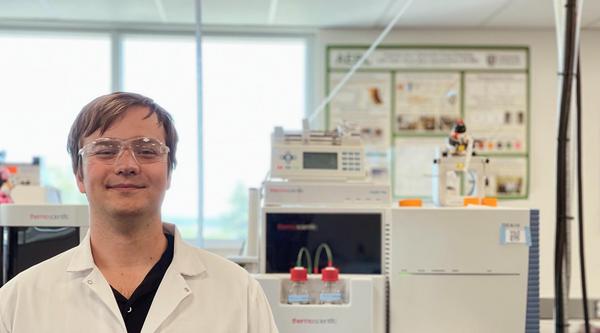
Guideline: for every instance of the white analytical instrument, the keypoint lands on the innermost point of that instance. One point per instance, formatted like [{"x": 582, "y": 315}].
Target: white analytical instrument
[
  {"x": 446, "y": 182},
  {"x": 358, "y": 238},
  {"x": 32, "y": 233},
  {"x": 327, "y": 155},
  {"x": 319, "y": 196},
  {"x": 23, "y": 173},
  {"x": 325, "y": 193},
  {"x": 362, "y": 309},
  {"x": 459, "y": 270}
]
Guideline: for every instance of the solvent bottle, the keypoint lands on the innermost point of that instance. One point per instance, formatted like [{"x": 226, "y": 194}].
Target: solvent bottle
[
  {"x": 331, "y": 290},
  {"x": 298, "y": 290}
]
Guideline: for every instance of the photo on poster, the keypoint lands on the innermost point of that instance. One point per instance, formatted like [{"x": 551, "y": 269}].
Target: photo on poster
[
  {"x": 363, "y": 93},
  {"x": 426, "y": 102},
  {"x": 507, "y": 177},
  {"x": 413, "y": 165},
  {"x": 496, "y": 111}
]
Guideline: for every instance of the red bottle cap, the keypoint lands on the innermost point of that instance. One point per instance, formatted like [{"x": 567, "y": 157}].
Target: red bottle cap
[
  {"x": 298, "y": 273},
  {"x": 330, "y": 274}
]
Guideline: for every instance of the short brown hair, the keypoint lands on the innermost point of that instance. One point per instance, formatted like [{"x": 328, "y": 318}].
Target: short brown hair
[{"x": 103, "y": 111}]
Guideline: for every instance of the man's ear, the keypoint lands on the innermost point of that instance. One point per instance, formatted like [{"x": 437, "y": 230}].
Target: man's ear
[{"x": 79, "y": 178}]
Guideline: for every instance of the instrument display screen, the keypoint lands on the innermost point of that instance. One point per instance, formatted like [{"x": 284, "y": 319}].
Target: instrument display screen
[
  {"x": 354, "y": 238},
  {"x": 327, "y": 161},
  {"x": 23, "y": 247}
]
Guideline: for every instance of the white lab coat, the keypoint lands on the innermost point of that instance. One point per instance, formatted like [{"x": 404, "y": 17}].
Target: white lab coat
[{"x": 200, "y": 292}]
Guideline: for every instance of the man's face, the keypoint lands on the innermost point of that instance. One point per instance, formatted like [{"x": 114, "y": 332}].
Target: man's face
[{"x": 126, "y": 188}]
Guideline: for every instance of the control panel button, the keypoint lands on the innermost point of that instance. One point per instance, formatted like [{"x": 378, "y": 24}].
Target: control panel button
[{"x": 287, "y": 157}]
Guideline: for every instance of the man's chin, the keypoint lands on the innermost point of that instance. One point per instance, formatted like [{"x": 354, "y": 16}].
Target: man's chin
[{"x": 128, "y": 212}]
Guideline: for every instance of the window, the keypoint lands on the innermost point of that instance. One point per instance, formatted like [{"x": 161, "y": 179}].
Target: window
[
  {"x": 164, "y": 68},
  {"x": 45, "y": 81},
  {"x": 250, "y": 86}
]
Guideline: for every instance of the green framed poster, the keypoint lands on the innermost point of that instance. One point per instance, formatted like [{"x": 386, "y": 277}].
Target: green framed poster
[{"x": 406, "y": 98}]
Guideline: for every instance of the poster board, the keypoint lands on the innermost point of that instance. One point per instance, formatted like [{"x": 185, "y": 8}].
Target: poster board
[{"x": 406, "y": 99}]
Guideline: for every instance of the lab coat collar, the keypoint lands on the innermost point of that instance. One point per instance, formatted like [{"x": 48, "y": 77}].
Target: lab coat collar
[
  {"x": 186, "y": 259},
  {"x": 82, "y": 259}
]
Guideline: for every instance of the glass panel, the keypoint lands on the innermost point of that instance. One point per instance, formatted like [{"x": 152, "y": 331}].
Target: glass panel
[
  {"x": 45, "y": 81},
  {"x": 164, "y": 69},
  {"x": 250, "y": 86}
]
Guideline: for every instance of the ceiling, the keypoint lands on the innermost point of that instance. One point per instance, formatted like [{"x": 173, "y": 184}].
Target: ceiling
[{"x": 534, "y": 14}]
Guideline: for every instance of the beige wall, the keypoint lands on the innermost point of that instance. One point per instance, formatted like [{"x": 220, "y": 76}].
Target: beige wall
[{"x": 543, "y": 103}]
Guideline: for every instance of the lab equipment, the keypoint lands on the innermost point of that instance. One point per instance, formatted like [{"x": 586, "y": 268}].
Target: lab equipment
[
  {"x": 23, "y": 173},
  {"x": 298, "y": 290},
  {"x": 340, "y": 211},
  {"x": 325, "y": 155},
  {"x": 6, "y": 185},
  {"x": 362, "y": 308},
  {"x": 464, "y": 270},
  {"x": 325, "y": 193},
  {"x": 446, "y": 179},
  {"x": 30, "y": 234},
  {"x": 32, "y": 194},
  {"x": 317, "y": 182},
  {"x": 249, "y": 258},
  {"x": 459, "y": 142},
  {"x": 331, "y": 292},
  {"x": 458, "y": 160},
  {"x": 324, "y": 214},
  {"x": 356, "y": 236},
  {"x": 20, "y": 183},
  {"x": 297, "y": 187}
]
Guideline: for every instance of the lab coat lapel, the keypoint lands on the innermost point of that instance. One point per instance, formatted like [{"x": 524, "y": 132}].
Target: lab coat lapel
[
  {"x": 82, "y": 261},
  {"x": 172, "y": 291},
  {"x": 96, "y": 282},
  {"x": 173, "y": 288}
]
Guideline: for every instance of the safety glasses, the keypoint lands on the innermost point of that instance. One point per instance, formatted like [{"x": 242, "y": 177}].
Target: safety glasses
[{"x": 108, "y": 150}]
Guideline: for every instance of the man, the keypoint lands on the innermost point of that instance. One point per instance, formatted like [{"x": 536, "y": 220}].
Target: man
[{"x": 132, "y": 272}]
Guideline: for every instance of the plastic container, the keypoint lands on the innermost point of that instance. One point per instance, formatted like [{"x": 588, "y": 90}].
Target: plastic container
[
  {"x": 331, "y": 291},
  {"x": 298, "y": 290}
]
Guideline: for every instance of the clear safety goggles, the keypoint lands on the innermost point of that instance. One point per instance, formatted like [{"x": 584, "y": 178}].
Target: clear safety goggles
[{"x": 108, "y": 150}]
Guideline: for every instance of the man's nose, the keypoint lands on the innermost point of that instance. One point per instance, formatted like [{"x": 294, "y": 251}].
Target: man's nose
[{"x": 126, "y": 163}]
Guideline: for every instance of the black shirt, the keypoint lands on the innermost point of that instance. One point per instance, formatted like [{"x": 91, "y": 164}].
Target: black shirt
[{"x": 135, "y": 309}]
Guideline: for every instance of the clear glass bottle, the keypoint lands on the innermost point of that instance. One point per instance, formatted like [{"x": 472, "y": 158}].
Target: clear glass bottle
[
  {"x": 298, "y": 290},
  {"x": 331, "y": 291}
]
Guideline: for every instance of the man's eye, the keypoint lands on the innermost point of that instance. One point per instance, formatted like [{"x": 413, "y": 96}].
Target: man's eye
[
  {"x": 105, "y": 152},
  {"x": 148, "y": 152}
]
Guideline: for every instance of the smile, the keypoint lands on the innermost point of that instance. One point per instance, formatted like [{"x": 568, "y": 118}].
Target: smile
[{"x": 125, "y": 187}]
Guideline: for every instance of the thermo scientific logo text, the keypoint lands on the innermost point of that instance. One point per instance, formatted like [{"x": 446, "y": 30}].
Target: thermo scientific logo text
[
  {"x": 328, "y": 321},
  {"x": 296, "y": 227},
  {"x": 49, "y": 216}
]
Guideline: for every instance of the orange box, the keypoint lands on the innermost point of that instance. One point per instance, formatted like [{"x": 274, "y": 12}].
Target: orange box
[
  {"x": 489, "y": 201},
  {"x": 410, "y": 203},
  {"x": 471, "y": 201}
]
